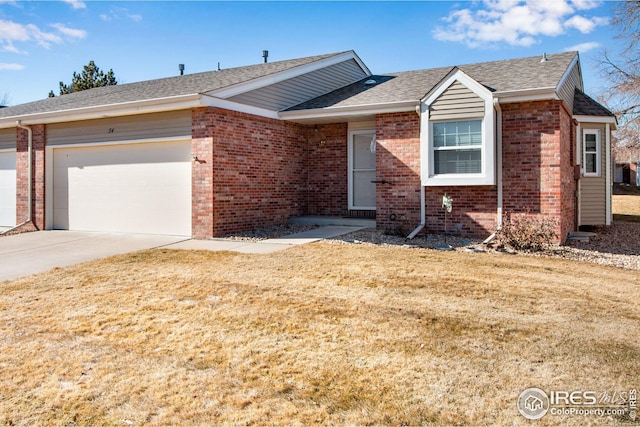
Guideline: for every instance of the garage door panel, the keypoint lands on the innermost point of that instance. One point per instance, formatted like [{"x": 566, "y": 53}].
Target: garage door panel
[
  {"x": 8, "y": 189},
  {"x": 137, "y": 188}
]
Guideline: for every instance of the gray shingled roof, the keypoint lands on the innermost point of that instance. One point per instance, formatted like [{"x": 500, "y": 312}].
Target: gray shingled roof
[
  {"x": 584, "y": 105},
  {"x": 498, "y": 76},
  {"x": 159, "y": 88}
]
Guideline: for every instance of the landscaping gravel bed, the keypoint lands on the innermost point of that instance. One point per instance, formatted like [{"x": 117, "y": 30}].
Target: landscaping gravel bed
[
  {"x": 273, "y": 232},
  {"x": 618, "y": 245}
]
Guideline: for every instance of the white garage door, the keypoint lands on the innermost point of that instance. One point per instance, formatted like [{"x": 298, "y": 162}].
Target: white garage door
[
  {"x": 131, "y": 188},
  {"x": 8, "y": 189}
]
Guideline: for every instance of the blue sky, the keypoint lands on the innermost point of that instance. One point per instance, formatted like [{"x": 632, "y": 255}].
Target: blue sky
[{"x": 43, "y": 42}]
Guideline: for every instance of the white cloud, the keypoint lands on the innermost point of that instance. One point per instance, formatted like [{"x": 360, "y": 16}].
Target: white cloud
[
  {"x": 76, "y": 4},
  {"x": 120, "y": 13},
  {"x": 515, "y": 22},
  {"x": 70, "y": 32},
  {"x": 13, "y": 32},
  {"x": 583, "y": 47},
  {"x": 11, "y": 67}
]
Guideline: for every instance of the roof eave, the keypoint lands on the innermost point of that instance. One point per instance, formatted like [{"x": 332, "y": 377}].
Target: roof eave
[
  {"x": 352, "y": 110},
  {"x": 597, "y": 119},
  {"x": 524, "y": 95},
  {"x": 156, "y": 105}
]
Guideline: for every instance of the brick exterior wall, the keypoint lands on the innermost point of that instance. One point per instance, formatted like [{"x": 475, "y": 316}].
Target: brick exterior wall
[
  {"x": 474, "y": 212},
  {"x": 398, "y": 161},
  {"x": 538, "y": 162},
  {"x": 257, "y": 171},
  {"x": 38, "y": 176},
  {"x": 202, "y": 213},
  {"x": 327, "y": 167}
]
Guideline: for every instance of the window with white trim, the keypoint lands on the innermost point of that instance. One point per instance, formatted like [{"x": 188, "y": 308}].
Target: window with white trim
[
  {"x": 591, "y": 157},
  {"x": 457, "y": 147}
]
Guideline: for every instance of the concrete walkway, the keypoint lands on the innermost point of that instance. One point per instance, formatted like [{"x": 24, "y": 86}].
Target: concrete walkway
[
  {"x": 30, "y": 253},
  {"x": 266, "y": 246}
]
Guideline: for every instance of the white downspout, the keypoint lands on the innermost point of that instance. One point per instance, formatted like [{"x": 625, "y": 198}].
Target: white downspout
[
  {"x": 496, "y": 104},
  {"x": 422, "y": 191},
  {"x": 422, "y": 214}
]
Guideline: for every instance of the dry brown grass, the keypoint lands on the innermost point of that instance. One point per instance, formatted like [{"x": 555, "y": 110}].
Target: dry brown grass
[
  {"x": 318, "y": 334},
  {"x": 626, "y": 207}
]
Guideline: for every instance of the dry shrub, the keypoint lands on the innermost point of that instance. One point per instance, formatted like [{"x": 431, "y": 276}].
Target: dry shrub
[{"x": 527, "y": 232}]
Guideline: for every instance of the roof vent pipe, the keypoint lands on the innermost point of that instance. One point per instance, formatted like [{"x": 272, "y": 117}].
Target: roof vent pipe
[
  {"x": 181, "y": 68},
  {"x": 544, "y": 58},
  {"x": 265, "y": 55}
]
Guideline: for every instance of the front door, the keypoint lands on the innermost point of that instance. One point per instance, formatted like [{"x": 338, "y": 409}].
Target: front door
[{"x": 362, "y": 170}]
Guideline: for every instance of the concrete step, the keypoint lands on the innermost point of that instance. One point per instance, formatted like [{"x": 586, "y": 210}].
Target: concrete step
[
  {"x": 580, "y": 236},
  {"x": 334, "y": 220}
]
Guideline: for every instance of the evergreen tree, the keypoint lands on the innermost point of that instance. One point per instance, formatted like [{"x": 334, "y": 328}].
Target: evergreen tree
[{"x": 90, "y": 77}]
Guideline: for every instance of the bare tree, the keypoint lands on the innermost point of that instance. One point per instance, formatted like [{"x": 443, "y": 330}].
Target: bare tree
[
  {"x": 4, "y": 100},
  {"x": 623, "y": 73}
]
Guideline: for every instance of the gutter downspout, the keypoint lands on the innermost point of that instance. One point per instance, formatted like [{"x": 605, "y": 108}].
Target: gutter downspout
[
  {"x": 496, "y": 104},
  {"x": 422, "y": 191},
  {"x": 29, "y": 178}
]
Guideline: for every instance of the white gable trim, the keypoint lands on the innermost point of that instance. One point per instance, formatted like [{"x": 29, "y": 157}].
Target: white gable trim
[
  {"x": 488, "y": 170},
  {"x": 569, "y": 70},
  {"x": 261, "y": 82}
]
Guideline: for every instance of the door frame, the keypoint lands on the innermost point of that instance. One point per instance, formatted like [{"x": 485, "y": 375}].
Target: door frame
[{"x": 350, "y": 170}]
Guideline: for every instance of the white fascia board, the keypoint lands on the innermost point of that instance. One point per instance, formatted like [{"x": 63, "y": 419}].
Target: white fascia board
[
  {"x": 456, "y": 74},
  {"x": 567, "y": 73},
  {"x": 526, "y": 95},
  {"x": 356, "y": 110},
  {"x": 103, "y": 111},
  {"x": 261, "y": 82},
  {"x": 212, "y": 101},
  {"x": 598, "y": 119}
]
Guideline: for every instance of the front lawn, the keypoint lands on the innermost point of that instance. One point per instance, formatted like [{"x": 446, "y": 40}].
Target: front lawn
[
  {"x": 626, "y": 203},
  {"x": 318, "y": 334}
]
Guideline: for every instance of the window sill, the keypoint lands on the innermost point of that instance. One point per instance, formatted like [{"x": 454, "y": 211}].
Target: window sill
[{"x": 458, "y": 180}]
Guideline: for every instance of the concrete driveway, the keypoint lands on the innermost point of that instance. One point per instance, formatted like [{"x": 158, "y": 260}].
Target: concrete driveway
[{"x": 29, "y": 253}]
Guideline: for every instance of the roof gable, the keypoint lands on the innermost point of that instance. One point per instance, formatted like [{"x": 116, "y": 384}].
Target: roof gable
[{"x": 164, "y": 89}]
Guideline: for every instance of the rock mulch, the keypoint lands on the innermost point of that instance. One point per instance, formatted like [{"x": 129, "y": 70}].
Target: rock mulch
[
  {"x": 273, "y": 232},
  {"x": 618, "y": 245}
]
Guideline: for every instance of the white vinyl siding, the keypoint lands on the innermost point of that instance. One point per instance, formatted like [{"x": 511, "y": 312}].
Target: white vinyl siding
[
  {"x": 7, "y": 138},
  {"x": 567, "y": 89},
  {"x": 457, "y": 136},
  {"x": 174, "y": 124},
  {"x": 7, "y": 188},
  {"x": 593, "y": 187},
  {"x": 457, "y": 102},
  {"x": 131, "y": 188},
  {"x": 293, "y": 91},
  {"x": 457, "y": 147}
]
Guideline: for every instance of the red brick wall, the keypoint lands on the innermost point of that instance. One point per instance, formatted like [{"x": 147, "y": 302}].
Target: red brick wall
[
  {"x": 474, "y": 212},
  {"x": 259, "y": 170},
  {"x": 327, "y": 170},
  {"x": 398, "y": 161},
  {"x": 537, "y": 159},
  {"x": 202, "y": 213},
  {"x": 38, "y": 175}
]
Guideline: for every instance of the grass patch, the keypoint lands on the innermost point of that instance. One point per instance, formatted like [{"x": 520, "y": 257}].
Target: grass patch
[
  {"x": 315, "y": 335},
  {"x": 626, "y": 207}
]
